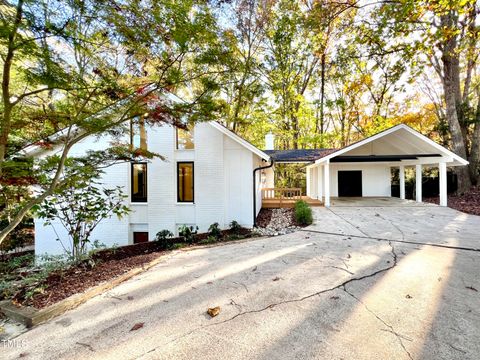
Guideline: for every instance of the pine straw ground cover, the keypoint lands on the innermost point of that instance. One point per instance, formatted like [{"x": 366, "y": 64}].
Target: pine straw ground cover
[
  {"x": 104, "y": 265},
  {"x": 468, "y": 203}
]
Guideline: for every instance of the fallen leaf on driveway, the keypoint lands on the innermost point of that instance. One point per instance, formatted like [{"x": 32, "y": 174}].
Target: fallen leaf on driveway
[
  {"x": 254, "y": 269},
  {"x": 409, "y": 296},
  {"x": 137, "y": 326},
  {"x": 276, "y": 279},
  {"x": 471, "y": 288},
  {"x": 213, "y": 311},
  {"x": 334, "y": 297}
]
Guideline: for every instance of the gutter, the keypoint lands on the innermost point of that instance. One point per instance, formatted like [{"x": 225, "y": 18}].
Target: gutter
[{"x": 255, "y": 189}]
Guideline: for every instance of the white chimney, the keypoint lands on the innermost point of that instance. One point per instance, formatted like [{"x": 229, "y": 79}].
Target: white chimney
[{"x": 269, "y": 141}]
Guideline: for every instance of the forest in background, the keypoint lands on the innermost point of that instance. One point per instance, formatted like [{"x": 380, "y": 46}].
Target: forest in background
[
  {"x": 328, "y": 73},
  {"x": 317, "y": 73}
]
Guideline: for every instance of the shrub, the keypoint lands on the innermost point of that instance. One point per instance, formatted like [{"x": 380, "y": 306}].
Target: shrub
[
  {"x": 303, "y": 213},
  {"x": 162, "y": 238},
  {"x": 188, "y": 233},
  {"x": 214, "y": 231},
  {"x": 235, "y": 227}
]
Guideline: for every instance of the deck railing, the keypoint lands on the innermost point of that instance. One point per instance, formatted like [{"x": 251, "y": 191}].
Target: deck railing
[{"x": 282, "y": 193}]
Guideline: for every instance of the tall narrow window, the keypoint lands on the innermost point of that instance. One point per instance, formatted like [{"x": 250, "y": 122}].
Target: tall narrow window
[
  {"x": 139, "y": 182},
  {"x": 138, "y": 136},
  {"x": 185, "y": 182},
  {"x": 185, "y": 139}
]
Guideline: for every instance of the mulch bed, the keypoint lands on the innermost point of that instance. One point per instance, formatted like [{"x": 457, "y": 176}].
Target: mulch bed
[
  {"x": 103, "y": 266},
  {"x": 468, "y": 203},
  {"x": 264, "y": 217},
  {"x": 62, "y": 284}
]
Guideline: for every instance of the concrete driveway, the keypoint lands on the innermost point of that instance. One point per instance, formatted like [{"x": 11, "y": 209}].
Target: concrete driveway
[{"x": 395, "y": 282}]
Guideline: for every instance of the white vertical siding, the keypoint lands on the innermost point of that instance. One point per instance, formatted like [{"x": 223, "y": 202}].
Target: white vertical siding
[
  {"x": 209, "y": 176},
  {"x": 238, "y": 188},
  {"x": 161, "y": 180}
]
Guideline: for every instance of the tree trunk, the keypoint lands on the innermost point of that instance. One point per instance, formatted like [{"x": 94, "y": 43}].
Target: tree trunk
[
  {"x": 475, "y": 150},
  {"x": 320, "y": 124},
  {"x": 451, "y": 81}
]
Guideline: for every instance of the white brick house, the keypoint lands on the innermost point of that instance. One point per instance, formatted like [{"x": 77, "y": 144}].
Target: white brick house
[
  {"x": 206, "y": 177},
  {"x": 212, "y": 175}
]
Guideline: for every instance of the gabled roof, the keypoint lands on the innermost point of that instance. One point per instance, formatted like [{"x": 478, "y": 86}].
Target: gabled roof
[
  {"x": 239, "y": 140},
  {"x": 456, "y": 160},
  {"x": 298, "y": 155}
]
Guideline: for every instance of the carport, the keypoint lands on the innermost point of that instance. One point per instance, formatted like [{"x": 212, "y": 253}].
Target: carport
[{"x": 363, "y": 169}]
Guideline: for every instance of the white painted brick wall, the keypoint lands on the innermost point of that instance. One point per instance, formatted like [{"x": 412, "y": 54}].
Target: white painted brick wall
[
  {"x": 223, "y": 188},
  {"x": 209, "y": 177}
]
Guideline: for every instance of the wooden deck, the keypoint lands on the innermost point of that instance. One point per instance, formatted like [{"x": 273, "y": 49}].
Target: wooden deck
[{"x": 288, "y": 203}]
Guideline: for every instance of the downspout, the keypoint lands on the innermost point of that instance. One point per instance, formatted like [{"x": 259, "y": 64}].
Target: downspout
[{"x": 255, "y": 189}]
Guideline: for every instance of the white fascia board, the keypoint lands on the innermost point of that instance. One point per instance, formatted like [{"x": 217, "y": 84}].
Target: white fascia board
[
  {"x": 239, "y": 140},
  {"x": 447, "y": 152},
  {"x": 439, "y": 147}
]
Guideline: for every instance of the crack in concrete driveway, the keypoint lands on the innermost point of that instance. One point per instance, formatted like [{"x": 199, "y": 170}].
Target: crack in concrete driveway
[{"x": 289, "y": 296}]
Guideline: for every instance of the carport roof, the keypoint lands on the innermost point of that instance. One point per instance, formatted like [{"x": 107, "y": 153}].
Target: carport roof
[{"x": 397, "y": 141}]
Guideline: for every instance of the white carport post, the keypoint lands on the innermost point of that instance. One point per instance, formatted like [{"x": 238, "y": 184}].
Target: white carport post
[
  {"x": 309, "y": 185},
  {"x": 326, "y": 174},
  {"x": 319, "y": 183},
  {"x": 402, "y": 182},
  {"x": 442, "y": 174},
  {"x": 418, "y": 182}
]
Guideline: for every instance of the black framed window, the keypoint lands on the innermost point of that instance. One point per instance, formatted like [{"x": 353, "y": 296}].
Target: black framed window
[
  {"x": 138, "y": 134},
  {"x": 185, "y": 182},
  {"x": 139, "y": 182},
  {"x": 185, "y": 139}
]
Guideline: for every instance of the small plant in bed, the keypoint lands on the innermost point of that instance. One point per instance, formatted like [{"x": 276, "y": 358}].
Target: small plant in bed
[
  {"x": 214, "y": 231},
  {"x": 235, "y": 227},
  {"x": 163, "y": 238},
  {"x": 188, "y": 233},
  {"x": 303, "y": 213}
]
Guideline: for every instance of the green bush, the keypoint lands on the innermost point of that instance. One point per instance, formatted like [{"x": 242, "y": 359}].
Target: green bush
[
  {"x": 214, "y": 231},
  {"x": 188, "y": 233},
  {"x": 235, "y": 227},
  {"x": 163, "y": 238},
  {"x": 303, "y": 213}
]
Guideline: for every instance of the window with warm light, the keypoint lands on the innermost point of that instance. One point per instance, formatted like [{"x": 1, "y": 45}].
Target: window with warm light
[
  {"x": 185, "y": 182},
  {"x": 139, "y": 182},
  {"x": 185, "y": 139},
  {"x": 138, "y": 134}
]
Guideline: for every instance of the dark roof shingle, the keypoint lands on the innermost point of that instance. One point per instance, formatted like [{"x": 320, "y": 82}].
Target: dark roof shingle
[{"x": 298, "y": 155}]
